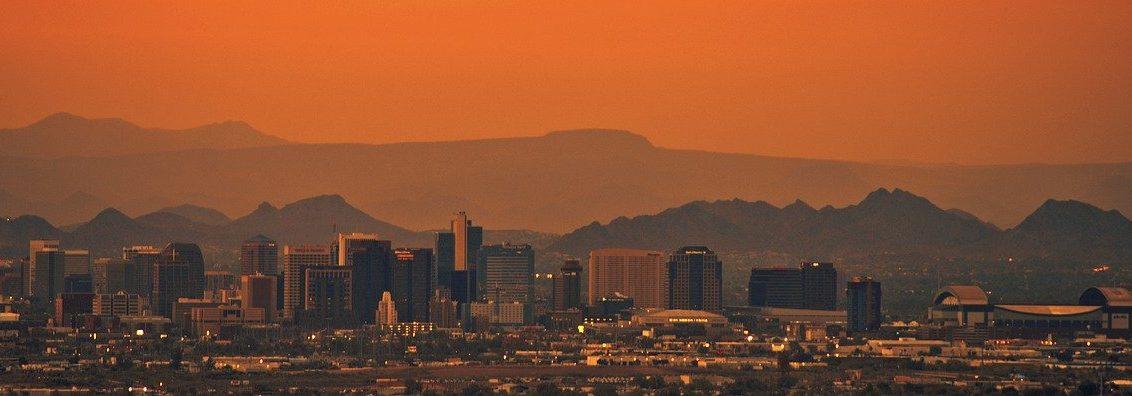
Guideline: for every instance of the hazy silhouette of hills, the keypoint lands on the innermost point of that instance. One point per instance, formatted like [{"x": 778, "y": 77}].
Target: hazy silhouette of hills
[
  {"x": 311, "y": 220},
  {"x": 883, "y": 222},
  {"x": 315, "y": 220},
  {"x": 1060, "y": 228},
  {"x": 65, "y": 134},
  {"x": 110, "y": 230},
  {"x": 555, "y": 183},
  {"x": 15, "y": 232}
]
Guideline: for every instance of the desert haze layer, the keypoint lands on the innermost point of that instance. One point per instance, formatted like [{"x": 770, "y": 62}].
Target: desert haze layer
[{"x": 556, "y": 182}]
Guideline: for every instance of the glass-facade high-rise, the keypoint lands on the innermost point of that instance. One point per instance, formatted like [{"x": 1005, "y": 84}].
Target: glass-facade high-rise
[
  {"x": 140, "y": 261},
  {"x": 48, "y": 274},
  {"x": 862, "y": 304},
  {"x": 329, "y": 296},
  {"x": 567, "y": 283},
  {"x": 506, "y": 273},
  {"x": 775, "y": 287},
  {"x": 371, "y": 260},
  {"x": 456, "y": 257},
  {"x": 812, "y": 285},
  {"x": 259, "y": 255},
  {"x": 178, "y": 273},
  {"x": 819, "y": 286},
  {"x": 412, "y": 283},
  {"x": 695, "y": 279}
]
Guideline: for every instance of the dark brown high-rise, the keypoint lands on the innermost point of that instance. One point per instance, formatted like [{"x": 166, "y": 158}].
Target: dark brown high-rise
[
  {"x": 259, "y": 255},
  {"x": 568, "y": 286}
]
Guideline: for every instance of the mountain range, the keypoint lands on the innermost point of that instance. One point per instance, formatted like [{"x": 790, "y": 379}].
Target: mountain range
[
  {"x": 66, "y": 135},
  {"x": 67, "y": 168},
  {"x": 884, "y": 222},
  {"x": 312, "y": 220}
]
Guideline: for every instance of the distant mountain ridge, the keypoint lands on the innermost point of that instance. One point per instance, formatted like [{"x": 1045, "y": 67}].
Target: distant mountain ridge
[
  {"x": 883, "y": 222},
  {"x": 65, "y": 134},
  {"x": 313, "y": 220},
  {"x": 553, "y": 183}
]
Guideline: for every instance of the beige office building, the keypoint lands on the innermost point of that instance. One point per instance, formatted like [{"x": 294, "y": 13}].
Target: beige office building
[
  {"x": 639, "y": 274},
  {"x": 295, "y": 260}
]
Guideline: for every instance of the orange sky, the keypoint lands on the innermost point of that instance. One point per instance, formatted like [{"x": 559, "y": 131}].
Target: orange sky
[{"x": 981, "y": 82}]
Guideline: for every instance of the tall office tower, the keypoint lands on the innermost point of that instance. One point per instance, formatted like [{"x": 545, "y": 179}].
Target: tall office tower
[
  {"x": 258, "y": 291},
  {"x": 117, "y": 304},
  {"x": 328, "y": 294},
  {"x": 108, "y": 275},
  {"x": 372, "y": 262},
  {"x": 695, "y": 279},
  {"x": 507, "y": 273},
  {"x": 140, "y": 261},
  {"x": 259, "y": 255},
  {"x": 456, "y": 253},
  {"x": 862, "y": 303},
  {"x": 178, "y": 273},
  {"x": 468, "y": 239},
  {"x": 442, "y": 311},
  {"x": 48, "y": 274},
  {"x": 77, "y": 262},
  {"x": 295, "y": 260},
  {"x": 819, "y": 286},
  {"x": 386, "y": 310},
  {"x": 638, "y": 274},
  {"x": 412, "y": 283},
  {"x": 568, "y": 286},
  {"x": 445, "y": 249},
  {"x": 775, "y": 287},
  {"x": 29, "y": 271}
]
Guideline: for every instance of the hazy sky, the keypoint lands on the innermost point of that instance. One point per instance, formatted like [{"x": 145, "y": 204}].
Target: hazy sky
[{"x": 940, "y": 81}]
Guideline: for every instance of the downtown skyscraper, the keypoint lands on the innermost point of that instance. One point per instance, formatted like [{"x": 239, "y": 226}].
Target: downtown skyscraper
[
  {"x": 456, "y": 257},
  {"x": 567, "y": 286},
  {"x": 695, "y": 279},
  {"x": 178, "y": 273},
  {"x": 506, "y": 273},
  {"x": 811, "y": 285},
  {"x": 412, "y": 283},
  {"x": 31, "y": 270},
  {"x": 640, "y": 275},
  {"x": 371, "y": 261},
  {"x": 862, "y": 305},
  {"x": 259, "y": 255},
  {"x": 296, "y": 259}
]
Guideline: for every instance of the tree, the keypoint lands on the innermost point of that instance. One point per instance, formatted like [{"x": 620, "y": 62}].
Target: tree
[
  {"x": 412, "y": 387},
  {"x": 175, "y": 357},
  {"x": 1089, "y": 388},
  {"x": 605, "y": 390}
]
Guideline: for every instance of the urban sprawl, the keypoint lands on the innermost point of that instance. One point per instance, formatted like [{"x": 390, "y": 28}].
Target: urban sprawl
[{"x": 359, "y": 315}]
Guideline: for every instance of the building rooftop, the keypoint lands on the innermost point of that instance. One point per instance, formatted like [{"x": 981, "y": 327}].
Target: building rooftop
[
  {"x": 1107, "y": 296},
  {"x": 684, "y": 313},
  {"x": 961, "y": 295},
  {"x": 1049, "y": 310}
]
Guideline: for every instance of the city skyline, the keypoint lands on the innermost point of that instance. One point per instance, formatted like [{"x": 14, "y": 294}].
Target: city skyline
[{"x": 566, "y": 198}]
